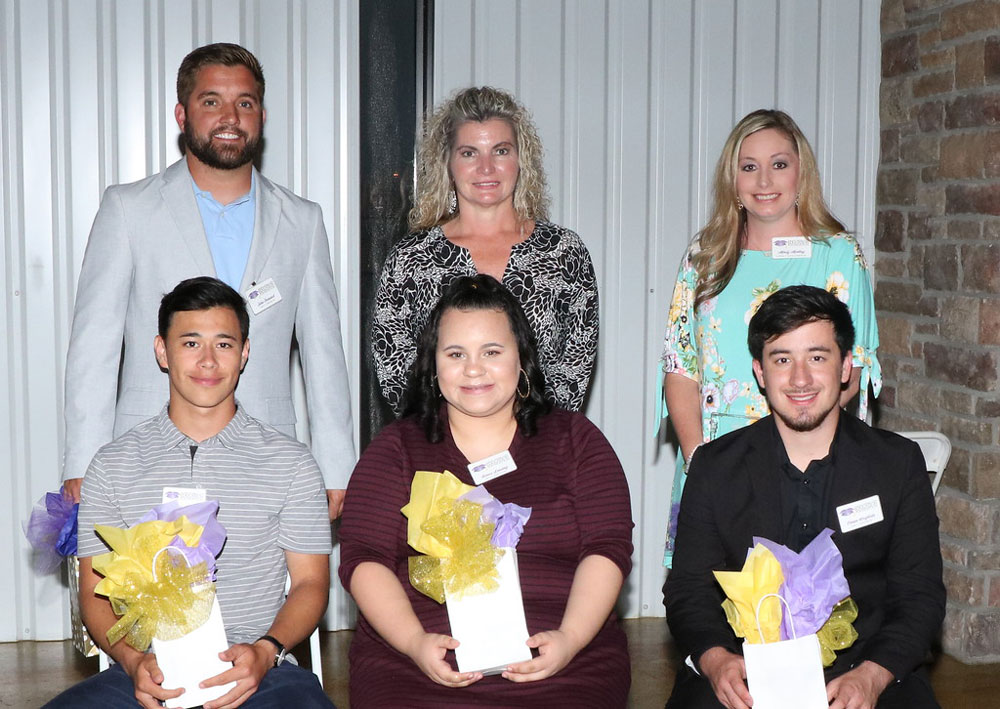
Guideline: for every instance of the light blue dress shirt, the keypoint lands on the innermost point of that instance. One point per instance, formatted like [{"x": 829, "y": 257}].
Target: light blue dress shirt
[{"x": 229, "y": 230}]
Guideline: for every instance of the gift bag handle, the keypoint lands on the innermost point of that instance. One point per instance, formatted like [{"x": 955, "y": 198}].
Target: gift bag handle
[
  {"x": 157, "y": 554},
  {"x": 791, "y": 619}
]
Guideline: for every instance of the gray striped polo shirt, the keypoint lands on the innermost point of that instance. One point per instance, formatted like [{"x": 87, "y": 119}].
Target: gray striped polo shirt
[{"x": 270, "y": 493}]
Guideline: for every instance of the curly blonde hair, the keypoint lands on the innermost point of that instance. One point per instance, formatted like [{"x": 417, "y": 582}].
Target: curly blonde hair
[
  {"x": 721, "y": 240},
  {"x": 477, "y": 103}
]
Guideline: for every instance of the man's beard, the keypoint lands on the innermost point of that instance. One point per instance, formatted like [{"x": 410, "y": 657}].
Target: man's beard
[
  {"x": 801, "y": 425},
  {"x": 806, "y": 423},
  {"x": 221, "y": 157}
]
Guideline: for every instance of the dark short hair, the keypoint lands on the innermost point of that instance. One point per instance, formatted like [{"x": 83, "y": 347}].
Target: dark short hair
[
  {"x": 222, "y": 53},
  {"x": 202, "y": 293},
  {"x": 480, "y": 292},
  {"x": 791, "y": 308}
]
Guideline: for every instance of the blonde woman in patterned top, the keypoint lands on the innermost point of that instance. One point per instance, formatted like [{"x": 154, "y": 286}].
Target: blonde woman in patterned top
[
  {"x": 481, "y": 207},
  {"x": 769, "y": 228}
]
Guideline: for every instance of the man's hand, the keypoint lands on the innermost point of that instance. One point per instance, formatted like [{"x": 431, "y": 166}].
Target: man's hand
[
  {"x": 727, "y": 673},
  {"x": 71, "y": 488},
  {"x": 427, "y": 650},
  {"x": 335, "y": 501},
  {"x": 146, "y": 680},
  {"x": 555, "y": 649},
  {"x": 860, "y": 688},
  {"x": 250, "y": 664}
]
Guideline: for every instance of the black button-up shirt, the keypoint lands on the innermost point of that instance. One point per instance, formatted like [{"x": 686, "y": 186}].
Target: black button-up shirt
[{"x": 805, "y": 496}]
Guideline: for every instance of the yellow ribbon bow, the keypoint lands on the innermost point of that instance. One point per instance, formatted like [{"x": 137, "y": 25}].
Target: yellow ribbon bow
[
  {"x": 459, "y": 556},
  {"x": 167, "y": 604}
]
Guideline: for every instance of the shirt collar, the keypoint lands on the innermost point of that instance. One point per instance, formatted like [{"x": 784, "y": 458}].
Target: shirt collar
[
  {"x": 170, "y": 433},
  {"x": 227, "y": 437},
  {"x": 207, "y": 196},
  {"x": 828, "y": 459}
]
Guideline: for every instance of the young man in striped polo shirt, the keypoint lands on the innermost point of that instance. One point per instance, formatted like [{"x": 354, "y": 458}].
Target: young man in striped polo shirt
[{"x": 271, "y": 502}]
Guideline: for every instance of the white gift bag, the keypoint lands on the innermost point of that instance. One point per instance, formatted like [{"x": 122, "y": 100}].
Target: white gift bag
[
  {"x": 788, "y": 673},
  {"x": 188, "y": 660},
  {"x": 491, "y": 626}
]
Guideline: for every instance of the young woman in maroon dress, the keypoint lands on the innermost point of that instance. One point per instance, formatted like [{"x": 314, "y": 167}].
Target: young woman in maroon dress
[{"x": 476, "y": 390}]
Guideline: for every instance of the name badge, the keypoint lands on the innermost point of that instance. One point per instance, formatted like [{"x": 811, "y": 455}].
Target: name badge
[
  {"x": 791, "y": 247},
  {"x": 262, "y": 296},
  {"x": 855, "y": 515},
  {"x": 183, "y": 495},
  {"x": 493, "y": 467}
]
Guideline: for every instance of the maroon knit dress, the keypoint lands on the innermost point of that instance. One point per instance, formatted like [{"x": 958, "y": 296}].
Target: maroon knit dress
[{"x": 572, "y": 480}]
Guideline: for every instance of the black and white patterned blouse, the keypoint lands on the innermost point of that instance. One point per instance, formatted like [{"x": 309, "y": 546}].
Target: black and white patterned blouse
[{"x": 550, "y": 274}]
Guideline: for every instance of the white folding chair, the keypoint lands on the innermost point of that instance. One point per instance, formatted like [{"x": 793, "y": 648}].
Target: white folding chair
[
  {"x": 314, "y": 654},
  {"x": 936, "y": 449}
]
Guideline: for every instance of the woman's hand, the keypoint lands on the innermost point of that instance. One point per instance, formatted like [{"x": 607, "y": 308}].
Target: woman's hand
[
  {"x": 427, "y": 650},
  {"x": 555, "y": 649},
  {"x": 596, "y": 584}
]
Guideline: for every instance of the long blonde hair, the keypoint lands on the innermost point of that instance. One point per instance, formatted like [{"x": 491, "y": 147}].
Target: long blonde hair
[
  {"x": 477, "y": 103},
  {"x": 721, "y": 240}
]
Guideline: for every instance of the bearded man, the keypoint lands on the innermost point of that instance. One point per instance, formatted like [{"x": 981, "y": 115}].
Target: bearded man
[
  {"x": 209, "y": 214},
  {"x": 786, "y": 478}
]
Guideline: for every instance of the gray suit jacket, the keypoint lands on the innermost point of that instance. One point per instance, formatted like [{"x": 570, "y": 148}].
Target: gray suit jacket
[{"x": 147, "y": 237}]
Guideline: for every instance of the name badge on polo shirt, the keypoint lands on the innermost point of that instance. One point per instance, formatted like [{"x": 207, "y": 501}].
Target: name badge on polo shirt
[
  {"x": 791, "y": 247},
  {"x": 855, "y": 515},
  {"x": 183, "y": 495},
  {"x": 262, "y": 296},
  {"x": 484, "y": 470}
]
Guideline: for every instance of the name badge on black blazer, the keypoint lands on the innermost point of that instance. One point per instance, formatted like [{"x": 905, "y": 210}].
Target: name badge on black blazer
[{"x": 855, "y": 515}]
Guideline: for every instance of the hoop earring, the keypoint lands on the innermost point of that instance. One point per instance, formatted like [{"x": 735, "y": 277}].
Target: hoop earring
[
  {"x": 452, "y": 202},
  {"x": 739, "y": 204},
  {"x": 527, "y": 382}
]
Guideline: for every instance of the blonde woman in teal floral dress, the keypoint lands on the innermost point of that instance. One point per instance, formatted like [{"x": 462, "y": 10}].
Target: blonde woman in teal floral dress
[{"x": 770, "y": 228}]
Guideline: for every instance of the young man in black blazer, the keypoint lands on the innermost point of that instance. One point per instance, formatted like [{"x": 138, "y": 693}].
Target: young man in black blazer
[{"x": 787, "y": 477}]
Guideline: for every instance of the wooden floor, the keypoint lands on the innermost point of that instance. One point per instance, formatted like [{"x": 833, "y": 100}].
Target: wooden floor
[{"x": 31, "y": 673}]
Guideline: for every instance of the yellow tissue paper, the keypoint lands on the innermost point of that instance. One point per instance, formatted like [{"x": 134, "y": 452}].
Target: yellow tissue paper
[
  {"x": 761, "y": 575},
  {"x": 426, "y": 490},
  {"x": 460, "y": 557},
  {"x": 169, "y": 604},
  {"x": 837, "y": 632}
]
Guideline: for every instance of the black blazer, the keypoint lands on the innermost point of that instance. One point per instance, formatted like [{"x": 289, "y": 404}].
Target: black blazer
[{"x": 893, "y": 567}]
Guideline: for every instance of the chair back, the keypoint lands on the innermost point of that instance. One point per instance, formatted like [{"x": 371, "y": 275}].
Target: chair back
[{"x": 936, "y": 449}]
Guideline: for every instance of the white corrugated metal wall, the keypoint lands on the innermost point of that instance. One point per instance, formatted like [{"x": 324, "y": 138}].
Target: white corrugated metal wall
[
  {"x": 86, "y": 100},
  {"x": 633, "y": 100}
]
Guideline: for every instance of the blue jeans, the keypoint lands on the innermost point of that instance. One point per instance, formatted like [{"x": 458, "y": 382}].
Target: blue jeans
[{"x": 287, "y": 685}]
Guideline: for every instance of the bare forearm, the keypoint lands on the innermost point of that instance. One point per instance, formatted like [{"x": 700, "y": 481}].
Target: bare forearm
[
  {"x": 684, "y": 404},
  {"x": 306, "y": 600},
  {"x": 382, "y": 600},
  {"x": 99, "y": 618},
  {"x": 300, "y": 614},
  {"x": 596, "y": 585}
]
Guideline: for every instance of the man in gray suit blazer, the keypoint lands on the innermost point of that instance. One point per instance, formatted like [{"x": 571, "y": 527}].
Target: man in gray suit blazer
[{"x": 210, "y": 213}]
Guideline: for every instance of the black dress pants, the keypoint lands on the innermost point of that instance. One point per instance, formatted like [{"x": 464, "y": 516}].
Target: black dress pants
[{"x": 692, "y": 691}]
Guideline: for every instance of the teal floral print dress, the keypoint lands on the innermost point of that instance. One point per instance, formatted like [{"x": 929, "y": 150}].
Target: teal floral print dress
[{"x": 709, "y": 344}]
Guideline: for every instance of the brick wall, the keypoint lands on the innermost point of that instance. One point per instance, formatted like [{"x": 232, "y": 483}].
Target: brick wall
[{"x": 938, "y": 280}]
